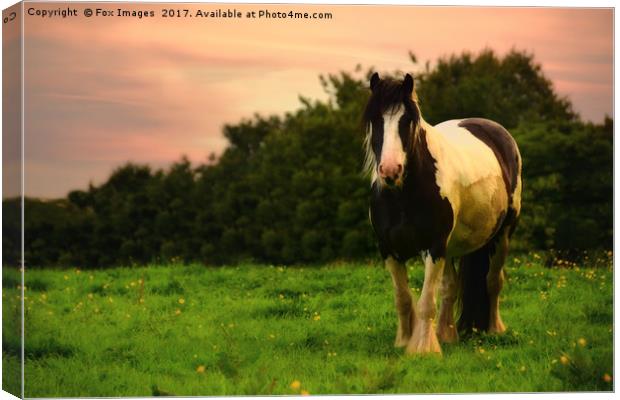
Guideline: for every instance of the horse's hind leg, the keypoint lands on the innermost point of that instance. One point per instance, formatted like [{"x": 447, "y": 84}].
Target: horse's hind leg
[
  {"x": 403, "y": 300},
  {"x": 446, "y": 328},
  {"x": 495, "y": 281}
]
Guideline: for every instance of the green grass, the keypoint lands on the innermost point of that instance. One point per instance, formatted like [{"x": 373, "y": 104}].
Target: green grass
[{"x": 191, "y": 330}]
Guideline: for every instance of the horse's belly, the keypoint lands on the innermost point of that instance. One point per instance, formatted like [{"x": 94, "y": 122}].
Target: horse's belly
[{"x": 481, "y": 209}]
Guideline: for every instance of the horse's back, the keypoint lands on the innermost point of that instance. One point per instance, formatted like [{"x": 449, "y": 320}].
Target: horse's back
[{"x": 503, "y": 145}]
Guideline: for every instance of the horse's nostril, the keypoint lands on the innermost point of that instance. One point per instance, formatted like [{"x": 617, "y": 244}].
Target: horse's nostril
[
  {"x": 399, "y": 169},
  {"x": 380, "y": 168}
]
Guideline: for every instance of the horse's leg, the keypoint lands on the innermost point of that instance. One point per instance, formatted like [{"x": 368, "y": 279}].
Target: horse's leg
[
  {"x": 424, "y": 339},
  {"x": 446, "y": 328},
  {"x": 403, "y": 300},
  {"x": 495, "y": 281}
]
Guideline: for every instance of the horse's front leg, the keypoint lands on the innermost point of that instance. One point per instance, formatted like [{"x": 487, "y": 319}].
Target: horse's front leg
[
  {"x": 424, "y": 339},
  {"x": 403, "y": 300}
]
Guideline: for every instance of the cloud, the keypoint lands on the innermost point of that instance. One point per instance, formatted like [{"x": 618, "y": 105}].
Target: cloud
[{"x": 102, "y": 92}]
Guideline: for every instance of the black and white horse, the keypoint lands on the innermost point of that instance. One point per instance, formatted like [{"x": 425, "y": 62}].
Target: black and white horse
[{"x": 446, "y": 192}]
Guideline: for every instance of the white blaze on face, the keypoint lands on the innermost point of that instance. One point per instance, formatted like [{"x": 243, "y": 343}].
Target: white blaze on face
[{"x": 392, "y": 152}]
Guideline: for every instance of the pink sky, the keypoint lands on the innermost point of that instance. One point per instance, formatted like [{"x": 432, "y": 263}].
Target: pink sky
[{"x": 103, "y": 91}]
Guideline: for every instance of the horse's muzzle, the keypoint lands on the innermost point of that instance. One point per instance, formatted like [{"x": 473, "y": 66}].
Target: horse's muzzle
[
  {"x": 391, "y": 173},
  {"x": 393, "y": 182}
]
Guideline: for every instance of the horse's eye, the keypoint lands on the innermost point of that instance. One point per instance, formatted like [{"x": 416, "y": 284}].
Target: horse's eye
[
  {"x": 404, "y": 130},
  {"x": 377, "y": 137}
]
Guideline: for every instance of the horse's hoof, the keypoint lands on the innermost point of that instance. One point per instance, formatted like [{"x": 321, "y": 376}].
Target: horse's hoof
[
  {"x": 424, "y": 348},
  {"x": 447, "y": 334},
  {"x": 401, "y": 342},
  {"x": 403, "y": 333},
  {"x": 402, "y": 339},
  {"x": 497, "y": 328},
  {"x": 424, "y": 341}
]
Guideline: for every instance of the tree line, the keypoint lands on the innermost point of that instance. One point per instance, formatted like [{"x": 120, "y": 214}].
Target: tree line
[{"x": 289, "y": 189}]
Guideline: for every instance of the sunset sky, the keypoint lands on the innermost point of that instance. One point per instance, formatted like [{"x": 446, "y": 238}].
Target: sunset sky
[{"x": 103, "y": 91}]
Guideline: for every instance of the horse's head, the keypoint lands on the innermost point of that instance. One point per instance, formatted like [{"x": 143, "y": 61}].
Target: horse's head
[{"x": 391, "y": 119}]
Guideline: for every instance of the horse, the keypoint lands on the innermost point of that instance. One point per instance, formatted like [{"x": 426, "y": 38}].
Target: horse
[{"x": 448, "y": 193}]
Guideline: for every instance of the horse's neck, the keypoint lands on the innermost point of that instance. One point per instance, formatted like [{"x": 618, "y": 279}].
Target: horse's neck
[
  {"x": 425, "y": 137},
  {"x": 434, "y": 138}
]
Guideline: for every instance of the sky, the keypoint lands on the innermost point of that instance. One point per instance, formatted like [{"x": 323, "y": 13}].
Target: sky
[{"x": 102, "y": 91}]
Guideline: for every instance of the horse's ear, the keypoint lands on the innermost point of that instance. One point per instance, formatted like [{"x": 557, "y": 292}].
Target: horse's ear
[
  {"x": 408, "y": 84},
  {"x": 374, "y": 80}
]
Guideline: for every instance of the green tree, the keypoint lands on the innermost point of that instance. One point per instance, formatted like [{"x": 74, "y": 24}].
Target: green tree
[
  {"x": 568, "y": 175},
  {"x": 510, "y": 89},
  {"x": 290, "y": 189}
]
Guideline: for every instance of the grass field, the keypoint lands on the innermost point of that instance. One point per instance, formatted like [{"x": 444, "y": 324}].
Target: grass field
[{"x": 191, "y": 330}]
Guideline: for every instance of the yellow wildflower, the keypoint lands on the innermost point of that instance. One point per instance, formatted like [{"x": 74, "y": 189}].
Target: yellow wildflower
[
  {"x": 201, "y": 369},
  {"x": 295, "y": 385}
]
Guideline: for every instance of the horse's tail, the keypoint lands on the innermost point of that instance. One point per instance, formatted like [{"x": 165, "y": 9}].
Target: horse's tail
[{"x": 472, "y": 298}]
